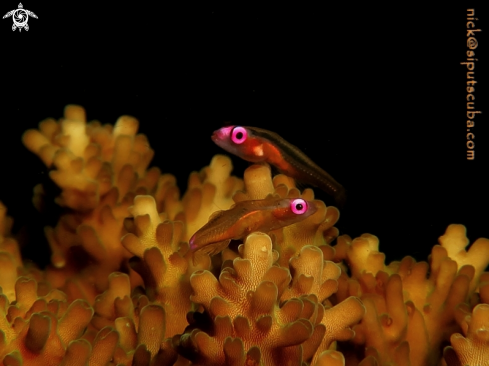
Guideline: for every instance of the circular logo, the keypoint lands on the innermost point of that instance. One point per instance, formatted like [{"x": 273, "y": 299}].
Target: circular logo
[{"x": 20, "y": 17}]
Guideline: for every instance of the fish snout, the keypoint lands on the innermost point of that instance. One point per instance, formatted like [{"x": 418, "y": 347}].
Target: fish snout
[{"x": 217, "y": 136}]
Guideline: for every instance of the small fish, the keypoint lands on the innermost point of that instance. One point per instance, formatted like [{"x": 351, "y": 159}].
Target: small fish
[
  {"x": 258, "y": 145},
  {"x": 246, "y": 217}
]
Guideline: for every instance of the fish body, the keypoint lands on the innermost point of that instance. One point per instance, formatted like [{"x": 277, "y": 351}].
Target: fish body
[
  {"x": 246, "y": 217},
  {"x": 257, "y": 145}
]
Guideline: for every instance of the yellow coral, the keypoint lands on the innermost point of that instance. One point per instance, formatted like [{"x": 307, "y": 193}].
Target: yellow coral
[
  {"x": 455, "y": 241},
  {"x": 10, "y": 258},
  {"x": 246, "y": 310},
  {"x": 163, "y": 261},
  {"x": 210, "y": 191},
  {"x": 244, "y": 305},
  {"x": 37, "y": 329},
  {"x": 473, "y": 349},
  {"x": 123, "y": 288},
  {"x": 90, "y": 159}
]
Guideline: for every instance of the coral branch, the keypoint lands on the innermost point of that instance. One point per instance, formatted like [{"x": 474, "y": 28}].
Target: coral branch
[{"x": 473, "y": 349}]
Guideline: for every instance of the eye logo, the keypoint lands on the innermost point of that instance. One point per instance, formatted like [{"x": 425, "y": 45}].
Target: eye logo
[{"x": 20, "y": 17}]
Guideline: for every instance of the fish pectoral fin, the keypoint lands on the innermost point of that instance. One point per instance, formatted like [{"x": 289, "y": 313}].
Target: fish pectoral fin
[
  {"x": 211, "y": 249},
  {"x": 215, "y": 248}
]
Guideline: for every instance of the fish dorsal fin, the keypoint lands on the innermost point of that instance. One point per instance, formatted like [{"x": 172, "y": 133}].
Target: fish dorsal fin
[{"x": 215, "y": 215}]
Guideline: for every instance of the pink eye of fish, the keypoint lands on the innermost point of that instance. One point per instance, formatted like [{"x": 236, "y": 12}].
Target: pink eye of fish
[
  {"x": 239, "y": 135},
  {"x": 298, "y": 206}
]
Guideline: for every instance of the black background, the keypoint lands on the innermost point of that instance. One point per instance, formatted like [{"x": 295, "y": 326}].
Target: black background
[{"x": 375, "y": 95}]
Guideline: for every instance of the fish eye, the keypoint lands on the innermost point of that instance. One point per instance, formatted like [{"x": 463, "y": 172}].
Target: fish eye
[
  {"x": 298, "y": 206},
  {"x": 239, "y": 135}
]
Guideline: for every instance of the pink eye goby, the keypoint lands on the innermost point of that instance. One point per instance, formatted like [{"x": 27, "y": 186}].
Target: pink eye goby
[
  {"x": 239, "y": 135},
  {"x": 298, "y": 206}
]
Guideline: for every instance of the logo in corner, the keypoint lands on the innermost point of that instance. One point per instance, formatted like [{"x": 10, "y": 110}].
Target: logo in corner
[{"x": 20, "y": 17}]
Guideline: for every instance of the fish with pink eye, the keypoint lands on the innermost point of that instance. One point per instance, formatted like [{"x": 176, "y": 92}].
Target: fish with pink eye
[
  {"x": 246, "y": 217},
  {"x": 257, "y": 145}
]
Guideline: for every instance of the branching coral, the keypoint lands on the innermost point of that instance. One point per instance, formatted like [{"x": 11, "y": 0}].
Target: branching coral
[
  {"x": 9, "y": 255},
  {"x": 163, "y": 261},
  {"x": 99, "y": 170},
  {"x": 242, "y": 307},
  {"x": 455, "y": 241},
  {"x": 38, "y": 329},
  {"x": 90, "y": 159},
  {"x": 473, "y": 349},
  {"x": 209, "y": 191},
  {"x": 257, "y": 311},
  {"x": 124, "y": 289},
  {"x": 411, "y": 307}
]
